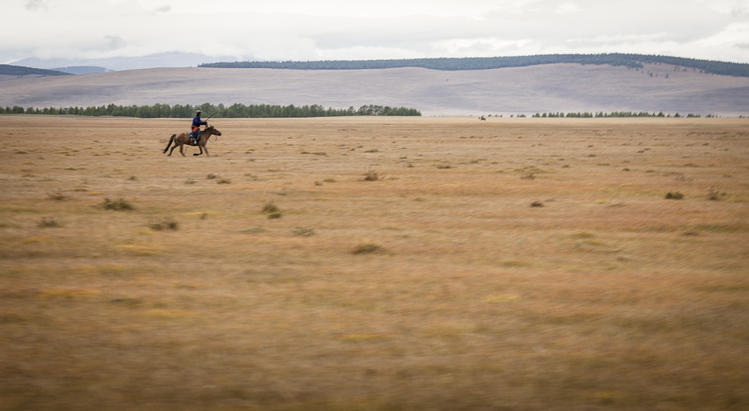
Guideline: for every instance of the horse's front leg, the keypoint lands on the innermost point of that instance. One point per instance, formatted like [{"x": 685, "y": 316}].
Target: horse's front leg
[
  {"x": 201, "y": 151},
  {"x": 206, "y": 151}
]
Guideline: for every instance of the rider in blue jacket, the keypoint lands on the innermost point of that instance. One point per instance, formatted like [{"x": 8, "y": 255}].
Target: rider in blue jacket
[{"x": 196, "y": 123}]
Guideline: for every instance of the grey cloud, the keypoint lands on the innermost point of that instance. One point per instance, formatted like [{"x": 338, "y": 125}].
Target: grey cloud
[
  {"x": 34, "y": 5},
  {"x": 610, "y": 24},
  {"x": 691, "y": 28},
  {"x": 396, "y": 32},
  {"x": 739, "y": 12},
  {"x": 683, "y": 23},
  {"x": 115, "y": 42}
]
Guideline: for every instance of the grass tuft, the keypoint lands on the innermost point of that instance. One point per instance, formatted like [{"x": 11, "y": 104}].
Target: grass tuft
[
  {"x": 303, "y": 231},
  {"x": 167, "y": 224},
  {"x": 126, "y": 301},
  {"x": 11, "y": 318},
  {"x": 368, "y": 248},
  {"x": 58, "y": 196},
  {"x": 674, "y": 196},
  {"x": 714, "y": 194},
  {"x": 270, "y": 208},
  {"x": 537, "y": 204},
  {"x": 116, "y": 205},
  {"x": 371, "y": 176},
  {"x": 582, "y": 235},
  {"x": 48, "y": 222}
]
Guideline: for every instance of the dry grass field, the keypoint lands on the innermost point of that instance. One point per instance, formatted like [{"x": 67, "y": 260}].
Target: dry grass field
[{"x": 383, "y": 263}]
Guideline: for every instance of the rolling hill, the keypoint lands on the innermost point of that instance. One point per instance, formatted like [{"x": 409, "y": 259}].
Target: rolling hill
[
  {"x": 81, "y": 69},
  {"x": 486, "y": 63},
  {"x": 568, "y": 87},
  {"x": 20, "y": 71}
]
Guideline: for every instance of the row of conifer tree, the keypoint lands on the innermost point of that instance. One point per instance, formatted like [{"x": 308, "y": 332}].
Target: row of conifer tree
[{"x": 218, "y": 111}]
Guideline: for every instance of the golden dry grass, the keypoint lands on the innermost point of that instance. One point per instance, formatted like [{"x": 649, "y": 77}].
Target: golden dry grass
[{"x": 606, "y": 296}]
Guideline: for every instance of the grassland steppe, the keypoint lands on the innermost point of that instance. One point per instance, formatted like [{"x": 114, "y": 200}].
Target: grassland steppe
[{"x": 375, "y": 263}]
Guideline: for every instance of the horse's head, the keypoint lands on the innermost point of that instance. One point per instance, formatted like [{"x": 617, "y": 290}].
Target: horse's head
[{"x": 212, "y": 131}]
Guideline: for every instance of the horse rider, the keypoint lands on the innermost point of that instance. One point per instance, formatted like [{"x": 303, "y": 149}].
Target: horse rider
[{"x": 196, "y": 123}]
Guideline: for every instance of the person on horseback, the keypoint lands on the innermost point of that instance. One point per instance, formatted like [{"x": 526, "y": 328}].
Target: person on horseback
[{"x": 196, "y": 123}]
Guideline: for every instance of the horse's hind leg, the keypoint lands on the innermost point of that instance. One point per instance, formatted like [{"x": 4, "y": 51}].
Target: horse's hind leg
[
  {"x": 171, "y": 140},
  {"x": 172, "y": 150},
  {"x": 180, "y": 150}
]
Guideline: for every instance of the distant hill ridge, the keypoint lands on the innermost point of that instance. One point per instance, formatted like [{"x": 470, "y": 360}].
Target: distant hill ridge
[
  {"x": 10, "y": 70},
  {"x": 81, "y": 69},
  {"x": 486, "y": 63},
  {"x": 550, "y": 88}
]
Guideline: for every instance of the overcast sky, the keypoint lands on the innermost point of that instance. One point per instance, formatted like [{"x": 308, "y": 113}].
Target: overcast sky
[{"x": 374, "y": 29}]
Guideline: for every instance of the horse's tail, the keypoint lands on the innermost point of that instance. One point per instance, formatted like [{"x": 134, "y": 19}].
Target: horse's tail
[{"x": 171, "y": 140}]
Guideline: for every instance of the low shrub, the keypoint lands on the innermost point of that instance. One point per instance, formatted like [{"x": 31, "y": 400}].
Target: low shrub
[
  {"x": 714, "y": 194},
  {"x": 48, "y": 222},
  {"x": 58, "y": 196},
  {"x": 270, "y": 207},
  {"x": 303, "y": 231},
  {"x": 367, "y": 248},
  {"x": 117, "y": 205},
  {"x": 168, "y": 224}
]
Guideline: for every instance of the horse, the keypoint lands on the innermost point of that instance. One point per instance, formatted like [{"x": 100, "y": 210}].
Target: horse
[{"x": 184, "y": 138}]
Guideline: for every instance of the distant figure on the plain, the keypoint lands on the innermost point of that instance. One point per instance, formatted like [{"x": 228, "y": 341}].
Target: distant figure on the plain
[
  {"x": 196, "y": 123},
  {"x": 482, "y": 118}
]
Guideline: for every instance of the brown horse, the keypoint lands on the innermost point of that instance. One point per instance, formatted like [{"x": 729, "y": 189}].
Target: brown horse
[{"x": 184, "y": 138}]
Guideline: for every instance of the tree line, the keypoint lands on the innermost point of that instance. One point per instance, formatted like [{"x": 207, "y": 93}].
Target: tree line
[
  {"x": 221, "y": 111},
  {"x": 11, "y": 70},
  {"x": 485, "y": 63}
]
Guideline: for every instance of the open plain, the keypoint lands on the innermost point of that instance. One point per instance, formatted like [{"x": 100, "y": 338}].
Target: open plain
[{"x": 375, "y": 263}]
